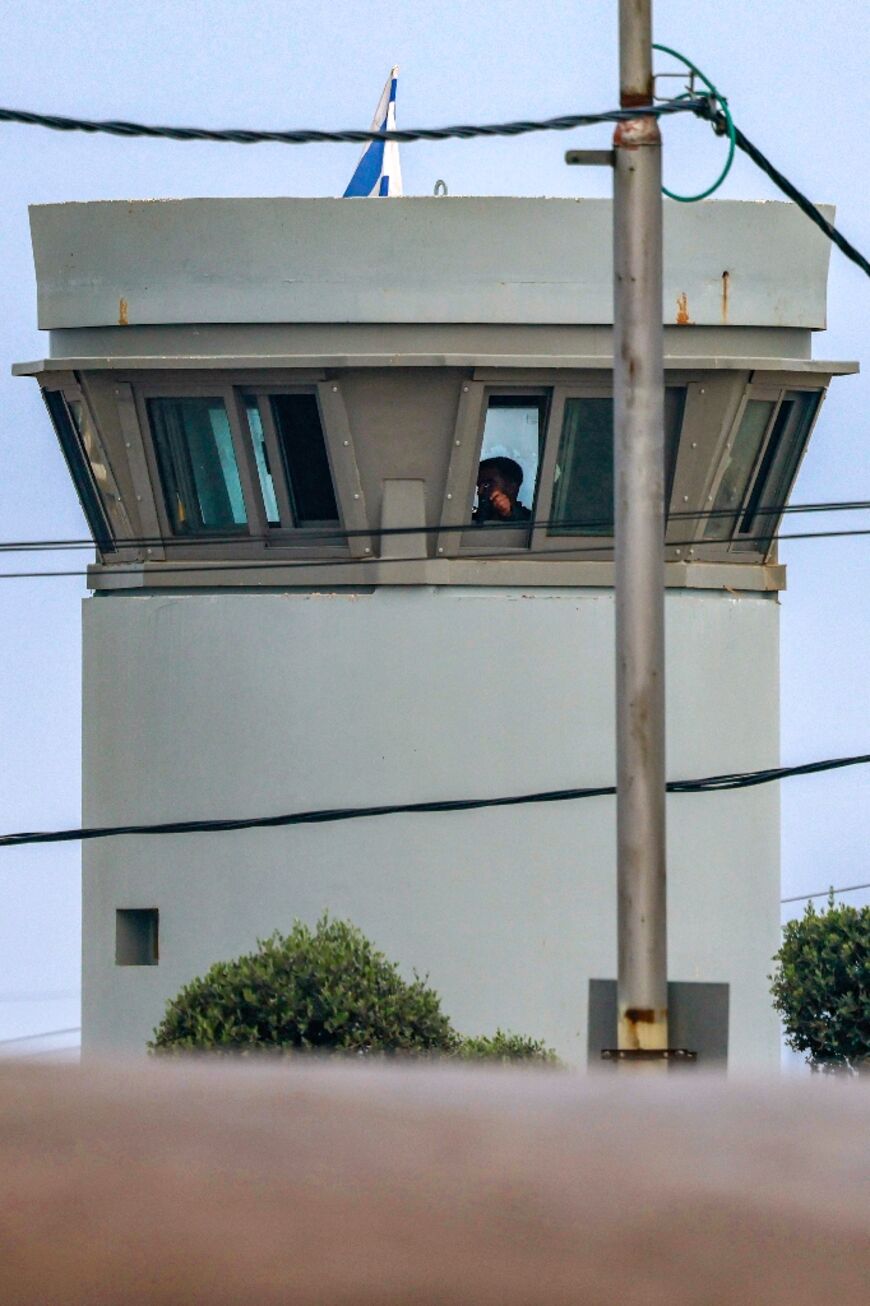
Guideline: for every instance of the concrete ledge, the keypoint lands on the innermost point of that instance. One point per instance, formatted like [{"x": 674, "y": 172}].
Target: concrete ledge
[{"x": 519, "y": 573}]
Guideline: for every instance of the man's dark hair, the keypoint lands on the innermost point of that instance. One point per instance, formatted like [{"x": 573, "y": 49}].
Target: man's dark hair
[{"x": 506, "y": 467}]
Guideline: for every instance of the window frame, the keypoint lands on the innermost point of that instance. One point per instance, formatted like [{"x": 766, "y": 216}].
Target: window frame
[
  {"x": 259, "y": 535},
  {"x": 103, "y": 507},
  {"x": 493, "y": 539},
  {"x": 287, "y": 532},
  {"x": 471, "y": 421},
  {"x": 742, "y": 542},
  {"x": 217, "y": 542}
]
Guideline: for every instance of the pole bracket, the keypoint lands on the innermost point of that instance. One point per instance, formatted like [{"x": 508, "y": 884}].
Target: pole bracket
[{"x": 591, "y": 158}]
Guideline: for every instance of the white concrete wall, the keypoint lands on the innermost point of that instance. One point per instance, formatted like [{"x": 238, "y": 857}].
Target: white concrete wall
[{"x": 215, "y": 705}]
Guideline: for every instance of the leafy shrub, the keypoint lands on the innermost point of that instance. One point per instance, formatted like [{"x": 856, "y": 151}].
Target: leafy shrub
[
  {"x": 501, "y": 1046},
  {"x": 326, "y": 988},
  {"x": 322, "y": 990},
  {"x": 821, "y": 986}
]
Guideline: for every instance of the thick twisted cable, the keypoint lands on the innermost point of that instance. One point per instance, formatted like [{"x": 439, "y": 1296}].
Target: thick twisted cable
[
  {"x": 729, "y": 127},
  {"x": 788, "y": 188},
  {"x": 240, "y": 136}
]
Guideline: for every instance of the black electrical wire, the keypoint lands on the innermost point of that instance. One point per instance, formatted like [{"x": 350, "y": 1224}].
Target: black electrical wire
[
  {"x": 339, "y": 533},
  {"x": 708, "y": 111},
  {"x": 312, "y": 564},
  {"x": 703, "y": 106},
  {"x": 305, "y": 136},
  {"x": 709, "y": 784},
  {"x": 48, "y": 1033},
  {"x": 804, "y": 897}
]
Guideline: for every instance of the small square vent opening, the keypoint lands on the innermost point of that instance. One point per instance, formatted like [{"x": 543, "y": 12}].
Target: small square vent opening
[{"x": 136, "y": 936}]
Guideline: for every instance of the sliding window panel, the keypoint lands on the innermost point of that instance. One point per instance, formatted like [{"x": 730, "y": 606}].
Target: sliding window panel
[
  {"x": 741, "y": 459},
  {"x": 712, "y": 407},
  {"x": 262, "y": 440},
  {"x": 80, "y": 468},
  {"x": 299, "y": 431},
  {"x": 778, "y": 469},
  {"x": 197, "y": 464},
  {"x": 93, "y": 445},
  {"x": 580, "y": 495}
]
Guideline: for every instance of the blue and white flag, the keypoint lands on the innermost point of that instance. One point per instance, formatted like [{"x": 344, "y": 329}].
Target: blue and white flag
[{"x": 378, "y": 171}]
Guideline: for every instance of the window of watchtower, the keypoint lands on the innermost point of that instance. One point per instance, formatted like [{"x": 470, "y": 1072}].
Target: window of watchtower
[
  {"x": 292, "y": 462},
  {"x": 510, "y": 455},
  {"x": 583, "y": 482},
  {"x": 197, "y": 463}
]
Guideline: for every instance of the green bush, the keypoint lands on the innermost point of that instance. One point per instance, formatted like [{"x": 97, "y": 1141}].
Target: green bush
[
  {"x": 821, "y": 986},
  {"x": 322, "y": 990},
  {"x": 505, "y": 1047}
]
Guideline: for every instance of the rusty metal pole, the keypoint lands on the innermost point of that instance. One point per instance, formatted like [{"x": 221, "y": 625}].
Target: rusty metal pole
[{"x": 638, "y": 386}]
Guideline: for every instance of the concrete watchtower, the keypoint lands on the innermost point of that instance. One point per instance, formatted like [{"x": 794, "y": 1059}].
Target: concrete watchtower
[{"x": 274, "y": 411}]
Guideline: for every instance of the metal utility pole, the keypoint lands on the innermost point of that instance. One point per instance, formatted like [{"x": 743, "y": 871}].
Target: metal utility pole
[{"x": 638, "y": 387}]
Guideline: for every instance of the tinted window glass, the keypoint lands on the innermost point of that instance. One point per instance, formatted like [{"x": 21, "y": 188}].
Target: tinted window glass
[
  {"x": 303, "y": 450},
  {"x": 197, "y": 463},
  {"x": 83, "y": 474},
  {"x": 261, "y": 456},
  {"x": 779, "y": 466},
  {"x": 583, "y": 482},
  {"x": 739, "y": 467}
]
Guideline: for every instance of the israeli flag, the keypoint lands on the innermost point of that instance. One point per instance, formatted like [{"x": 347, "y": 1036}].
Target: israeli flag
[{"x": 378, "y": 171}]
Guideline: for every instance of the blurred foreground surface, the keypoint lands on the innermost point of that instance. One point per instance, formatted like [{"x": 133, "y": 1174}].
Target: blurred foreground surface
[{"x": 333, "y": 1183}]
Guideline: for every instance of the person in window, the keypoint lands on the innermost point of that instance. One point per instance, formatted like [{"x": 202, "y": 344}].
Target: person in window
[{"x": 498, "y": 485}]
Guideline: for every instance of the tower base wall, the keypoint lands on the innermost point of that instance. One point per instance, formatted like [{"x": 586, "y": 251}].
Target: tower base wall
[{"x": 215, "y": 705}]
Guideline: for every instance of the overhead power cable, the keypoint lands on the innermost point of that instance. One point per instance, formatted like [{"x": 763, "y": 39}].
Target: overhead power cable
[
  {"x": 709, "y": 784},
  {"x": 717, "y": 117},
  {"x": 307, "y": 136},
  {"x": 256, "y": 564},
  {"x": 49, "y": 1033},
  {"x": 705, "y": 106},
  {"x": 333, "y": 533},
  {"x": 804, "y": 897}
]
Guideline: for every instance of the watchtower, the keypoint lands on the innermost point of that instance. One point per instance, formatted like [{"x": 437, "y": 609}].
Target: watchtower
[{"x": 274, "y": 411}]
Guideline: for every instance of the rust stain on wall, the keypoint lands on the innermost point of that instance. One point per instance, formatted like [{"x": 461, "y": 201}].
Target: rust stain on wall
[
  {"x": 122, "y": 313},
  {"x": 682, "y": 309},
  {"x": 726, "y": 286}
]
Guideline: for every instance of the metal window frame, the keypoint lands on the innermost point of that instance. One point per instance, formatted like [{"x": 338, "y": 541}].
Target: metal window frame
[
  {"x": 103, "y": 511},
  {"x": 259, "y": 536},
  {"x": 544, "y": 540},
  {"x": 341, "y": 460},
  {"x": 219, "y": 543},
  {"x": 470, "y": 428},
  {"x": 774, "y": 391},
  {"x": 468, "y": 446}
]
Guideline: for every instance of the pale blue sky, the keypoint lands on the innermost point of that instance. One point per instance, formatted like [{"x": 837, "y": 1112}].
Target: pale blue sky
[{"x": 793, "y": 74}]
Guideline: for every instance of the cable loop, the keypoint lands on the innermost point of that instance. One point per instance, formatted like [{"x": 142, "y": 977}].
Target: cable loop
[{"x": 713, "y": 97}]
